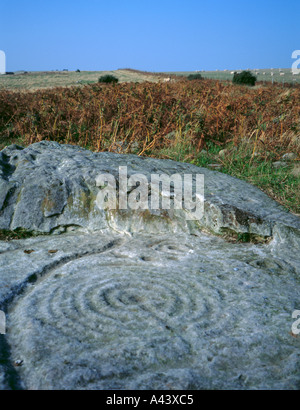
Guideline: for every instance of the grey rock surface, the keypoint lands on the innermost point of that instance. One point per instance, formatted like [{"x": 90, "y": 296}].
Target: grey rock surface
[
  {"x": 132, "y": 302},
  {"x": 50, "y": 188},
  {"x": 110, "y": 311}
]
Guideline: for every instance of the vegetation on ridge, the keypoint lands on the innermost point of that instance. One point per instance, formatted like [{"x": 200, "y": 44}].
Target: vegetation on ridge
[{"x": 176, "y": 119}]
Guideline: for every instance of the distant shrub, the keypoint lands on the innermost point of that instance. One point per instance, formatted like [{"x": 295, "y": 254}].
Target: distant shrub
[
  {"x": 78, "y": 71},
  {"x": 195, "y": 77},
  {"x": 245, "y": 77},
  {"x": 108, "y": 79}
]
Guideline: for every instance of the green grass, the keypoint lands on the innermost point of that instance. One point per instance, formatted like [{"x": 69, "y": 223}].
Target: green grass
[
  {"x": 280, "y": 184},
  {"x": 37, "y": 79},
  {"x": 5, "y": 141},
  {"x": 6, "y": 235},
  {"x": 239, "y": 162}
]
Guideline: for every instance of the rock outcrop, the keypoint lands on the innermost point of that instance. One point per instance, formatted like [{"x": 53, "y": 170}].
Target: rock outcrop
[
  {"x": 142, "y": 299},
  {"x": 50, "y": 188}
]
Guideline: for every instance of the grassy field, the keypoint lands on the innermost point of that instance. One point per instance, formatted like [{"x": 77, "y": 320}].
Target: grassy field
[
  {"x": 263, "y": 76},
  {"x": 189, "y": 121},
  {"x": 32, "y": 81}
]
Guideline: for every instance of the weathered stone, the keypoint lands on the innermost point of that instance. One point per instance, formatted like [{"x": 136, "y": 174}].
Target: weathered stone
[
  {"x": 290, "y": 156},
  {"x": 134, "y": 300},
  {"x": 279, "y": 164},
  {"x": 110, "y": 311},
  {"x": 49, "y": 187},
  {"x": 223, "y": 153},
  {"x": 296, "y": 171}
]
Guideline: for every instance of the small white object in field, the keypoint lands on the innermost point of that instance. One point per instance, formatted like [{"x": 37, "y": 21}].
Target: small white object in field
[
  {"x": 279, "y": 164},
  {"x": 289, "y": 156},
  {"x": 223, "y": 153}
]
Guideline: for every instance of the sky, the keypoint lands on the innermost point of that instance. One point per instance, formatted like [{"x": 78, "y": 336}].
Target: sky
[{"x": 149, "y": 35}]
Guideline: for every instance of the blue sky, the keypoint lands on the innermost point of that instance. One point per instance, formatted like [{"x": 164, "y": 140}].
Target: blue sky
[{"x": 151, "y": 35}]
